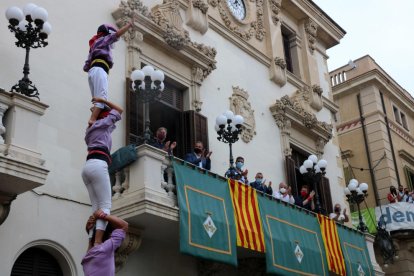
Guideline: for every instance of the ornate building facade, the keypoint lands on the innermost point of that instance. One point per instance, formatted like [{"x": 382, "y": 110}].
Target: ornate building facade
[
  {"x": 265, "y": 60},
  {"x": 375, "y": 130}
]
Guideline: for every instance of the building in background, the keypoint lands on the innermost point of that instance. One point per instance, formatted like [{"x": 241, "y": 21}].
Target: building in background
[
  {"x": 265, "y": 60},
  {"x": 375, "y": 128}
]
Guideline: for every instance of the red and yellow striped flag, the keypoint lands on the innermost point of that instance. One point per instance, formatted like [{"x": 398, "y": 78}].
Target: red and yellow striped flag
[
  {"x": 333, "y": 249},
  {"x": 247, "y": 216}
]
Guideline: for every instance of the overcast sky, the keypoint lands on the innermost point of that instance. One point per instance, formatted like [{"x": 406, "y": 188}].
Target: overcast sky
[{"x": 383, "y": 29}]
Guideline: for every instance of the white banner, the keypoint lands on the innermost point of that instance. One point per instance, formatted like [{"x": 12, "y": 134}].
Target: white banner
[{"x": 397, "y": 216}]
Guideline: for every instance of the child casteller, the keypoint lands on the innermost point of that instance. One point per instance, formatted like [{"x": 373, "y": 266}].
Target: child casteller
[{"x": 99, "y": 63}]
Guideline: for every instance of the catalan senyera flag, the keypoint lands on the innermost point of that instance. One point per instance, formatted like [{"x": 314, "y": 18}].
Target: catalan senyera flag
[
  {"x": 247, "y": 216},
  {"x": 333, "y": 249}
]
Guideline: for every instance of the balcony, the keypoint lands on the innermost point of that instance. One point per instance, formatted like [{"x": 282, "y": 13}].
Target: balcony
[
  {"x": 21, "y": 166},
  {"x": 144, "y": 195}
]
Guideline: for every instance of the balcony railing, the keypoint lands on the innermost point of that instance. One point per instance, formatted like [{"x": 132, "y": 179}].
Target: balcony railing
[{"x": 144, "y": 194}]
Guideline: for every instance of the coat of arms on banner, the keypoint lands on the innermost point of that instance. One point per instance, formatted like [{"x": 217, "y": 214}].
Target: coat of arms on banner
[
  {"x": 361, "y": 271},
  {"x": 209, "y": 225},
  {"x": 298, "y": 253}
]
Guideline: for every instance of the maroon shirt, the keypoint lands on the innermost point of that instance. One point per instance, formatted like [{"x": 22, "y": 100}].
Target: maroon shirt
[
  {"x": 100, "y": 259},
  {"x": 101, "y": 49}
]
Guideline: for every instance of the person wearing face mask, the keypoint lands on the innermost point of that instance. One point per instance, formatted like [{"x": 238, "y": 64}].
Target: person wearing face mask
[
  {"x": 199, "y": 157},
  {"x": 400, "y": 193},
  {"x": 260, "y": 184},
  {"x": 238, "y": 173},
  {"x": 406, "y": 197},
  {"x": 305, "y": 200},
  {"x": 284, "y": 193},
  {"x": 159, "y": 141},
  {"x": 337, "y": 216},
  {"x": 392, "y": 195}
]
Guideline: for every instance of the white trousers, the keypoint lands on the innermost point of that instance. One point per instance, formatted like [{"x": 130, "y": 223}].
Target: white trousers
[
  {"x": 98, "y": 83},
  {"x": 96, "y": 178}
]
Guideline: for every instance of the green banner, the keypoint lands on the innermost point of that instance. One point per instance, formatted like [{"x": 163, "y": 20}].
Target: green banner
[
  {"x": 354, "y": 249},
  {"x": 207, "y": 227},
  {"x": 368, "y": 217},
  {"x": 294, "y": 245}
]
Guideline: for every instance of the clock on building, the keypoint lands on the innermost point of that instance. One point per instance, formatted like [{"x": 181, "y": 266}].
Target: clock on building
[{"x": 237, "y": 8}]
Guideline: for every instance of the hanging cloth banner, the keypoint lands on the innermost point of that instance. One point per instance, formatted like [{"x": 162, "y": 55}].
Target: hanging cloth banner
[
  {"x": 293, "y": 240},
  {"x": 355, "y": 251},
  {"x": 397, "y": 216},
  {"x": 333, "y": 249},
  {"x": 247, "y": 216},
  {"x": 207, "y": 227}
]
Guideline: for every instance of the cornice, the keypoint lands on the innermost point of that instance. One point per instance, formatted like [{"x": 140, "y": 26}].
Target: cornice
[
  {"x": 329, "y": 31},
  {"x": 378, "y": 77},
  {"x": 330, "y": 105},
  {"x": 406, "y": 156}
]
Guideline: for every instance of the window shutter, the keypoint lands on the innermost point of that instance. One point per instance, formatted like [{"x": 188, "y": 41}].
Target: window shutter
[
  {"x": 291, "y": 175},
  {"x": 195, "y": 128},
  {"x": 35, "y": 261},
  {"x": 325, "y": 195}
]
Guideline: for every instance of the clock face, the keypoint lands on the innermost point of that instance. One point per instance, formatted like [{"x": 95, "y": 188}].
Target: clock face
[{"x": 237, "y": 8}]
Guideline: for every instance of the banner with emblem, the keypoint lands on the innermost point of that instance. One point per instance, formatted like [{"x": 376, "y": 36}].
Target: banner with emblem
[
  {"x": 355, "y": 252},
  {"x": 293, "y": 240},
  {"x": 207, "y": 227}
]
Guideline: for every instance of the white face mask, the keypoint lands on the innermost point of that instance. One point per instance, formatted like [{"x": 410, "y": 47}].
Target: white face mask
[{"x": 282, "y": 190}]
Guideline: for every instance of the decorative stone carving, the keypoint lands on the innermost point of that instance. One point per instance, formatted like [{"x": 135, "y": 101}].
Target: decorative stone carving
[
  {"x": 275, "y": 6},
  {"x": 131, "y": 243},
  {"x": 311, "y": 29},
  {"x": 5, "y": 209},
  {"x": 197, "y": 15},
  {"x": 320, "y": 146},
  {"x": 3, "y": 109},
  {"x": 278, "y": 71},
  {"x": 239, "y": 104},
  {"x": 197, "y": 77},
  {"x": 167, "y": 16},
  {"x": 169, "y": 26},
  {"x": 316, "y": 97},
  {"x": 295, "y": 112},
  {"x": 255, "y": 28}
]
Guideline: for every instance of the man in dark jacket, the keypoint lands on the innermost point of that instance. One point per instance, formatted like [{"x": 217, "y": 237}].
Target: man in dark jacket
[{"x": 199, "y": 157}]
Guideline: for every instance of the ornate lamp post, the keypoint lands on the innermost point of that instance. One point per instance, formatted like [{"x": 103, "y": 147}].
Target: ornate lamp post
[
  {"x": 228, "y": 127},
  {"x": 31, "y": 31},
  {"x": 356, "y": 193},
  {"x": 314, "y": 169},
  {"x": 148, "y": 84}
]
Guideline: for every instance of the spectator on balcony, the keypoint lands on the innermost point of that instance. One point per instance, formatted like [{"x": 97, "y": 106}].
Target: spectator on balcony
[
  {"x": 305, "y": 199},
  {"x": 95, "y": 171},
  {"x": 400, "y": 193},
  {"x": 411, "y": 199},
  {"x": 392, "y": 195},
  {"x": 284, "y": 193},
  {"x": 337, "y": 216},
  {"x": 406, "y": 196},
  {"x": 199, "y": 157},
  {"x": 160, "y": 143},
  {"x": 260, "y": 184},
  {"x": 100, "y": 258},
  {"x": 237, "y": 173}
]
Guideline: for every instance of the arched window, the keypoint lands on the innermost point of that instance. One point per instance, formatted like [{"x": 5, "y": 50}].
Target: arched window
[{"x": 35, "y": 261}]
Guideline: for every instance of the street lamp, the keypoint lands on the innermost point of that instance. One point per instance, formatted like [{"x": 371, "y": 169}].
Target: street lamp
[
  {"x": 356, "y": 193},
  {"x": 314, "y": 169},
  {"x": 228, "y": 127},
  {"x": 31, "y": 31},
  {"x": 147, "y": 84}
]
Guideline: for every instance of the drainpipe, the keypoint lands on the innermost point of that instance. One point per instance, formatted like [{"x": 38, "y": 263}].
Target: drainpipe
[
  {"x": 371, "y": 171},
  {"x": 390, "y": 139}
]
